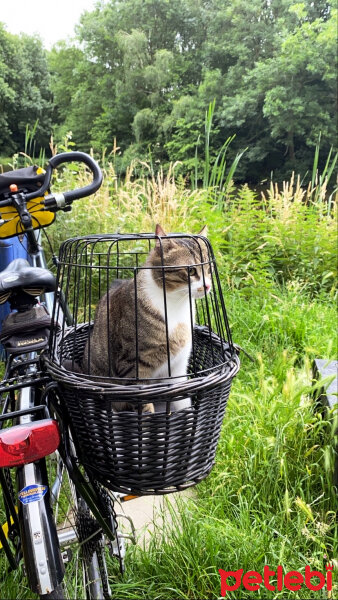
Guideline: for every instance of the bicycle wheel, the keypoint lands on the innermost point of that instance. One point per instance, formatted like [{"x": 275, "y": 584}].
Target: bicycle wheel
[
  {"x": 88, "y": 554},
  {"x": 88, "y": 537}
]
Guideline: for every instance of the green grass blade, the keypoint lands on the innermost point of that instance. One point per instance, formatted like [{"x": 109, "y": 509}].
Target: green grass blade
[
  {"x": 208, "y": 125},
  {"x": 332, "y": 167},
  {"x": 315, "y": 163},
  {"x": 195, "y": 183}
]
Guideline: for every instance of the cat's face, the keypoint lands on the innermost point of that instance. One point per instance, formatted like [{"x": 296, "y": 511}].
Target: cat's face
[{"x": 187, "y": 265}]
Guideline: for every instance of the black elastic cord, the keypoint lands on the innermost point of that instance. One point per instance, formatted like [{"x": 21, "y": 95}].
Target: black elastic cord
[{"x": 54, "y": 257}]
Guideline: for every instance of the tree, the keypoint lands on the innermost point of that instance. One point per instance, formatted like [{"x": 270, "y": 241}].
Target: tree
[
  {"x": 64, "y": 62},
  {"x": 7, "y": 94},
  {"x": 25, "y": 94},
  {"x": 144, "y": 72},
  {"x": 146, "y": 52},
  {"x": 300, "y": 85}
]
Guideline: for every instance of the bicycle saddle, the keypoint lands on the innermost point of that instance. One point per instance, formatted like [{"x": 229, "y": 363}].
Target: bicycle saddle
[{"x": 19, "y": 274}]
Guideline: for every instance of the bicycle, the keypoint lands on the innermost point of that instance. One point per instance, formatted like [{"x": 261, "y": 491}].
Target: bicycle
[
  {"x": 66, "y": 450},
  {"x": 65, "y": 521}
]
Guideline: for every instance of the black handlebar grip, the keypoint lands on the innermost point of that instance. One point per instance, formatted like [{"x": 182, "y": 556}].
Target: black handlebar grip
[
  {"x": 44, "y": 186},
  {"x": 64, "y": 157}
]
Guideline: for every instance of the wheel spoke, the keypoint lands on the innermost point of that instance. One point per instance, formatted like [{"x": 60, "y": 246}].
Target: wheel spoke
[{"x": 86, "y": 574}]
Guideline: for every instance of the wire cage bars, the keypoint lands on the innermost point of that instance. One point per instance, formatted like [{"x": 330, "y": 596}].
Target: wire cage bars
[{"x": 145, "y": 368}]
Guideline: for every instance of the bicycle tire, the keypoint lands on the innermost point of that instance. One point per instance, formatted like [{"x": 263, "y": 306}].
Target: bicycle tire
[
  {"x": 81, "y": 538},
  {"x": 73, "y": 519},
  {"x": 93, "y": 583}
]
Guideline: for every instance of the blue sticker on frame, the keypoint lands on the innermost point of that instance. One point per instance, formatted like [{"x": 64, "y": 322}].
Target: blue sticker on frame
[{"x": 32, "y": 493}]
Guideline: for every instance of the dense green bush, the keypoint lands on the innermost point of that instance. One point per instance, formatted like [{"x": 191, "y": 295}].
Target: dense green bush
[{"x": 277, "y": 239}]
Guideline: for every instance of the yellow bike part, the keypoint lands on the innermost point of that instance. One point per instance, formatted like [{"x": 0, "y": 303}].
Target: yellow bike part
[
  {"x": 12, "y": 225},
  {"x": 5, "y": 527}
]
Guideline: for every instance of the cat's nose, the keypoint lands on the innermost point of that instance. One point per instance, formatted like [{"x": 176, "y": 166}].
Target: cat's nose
[{"x": 205, "y": 288}]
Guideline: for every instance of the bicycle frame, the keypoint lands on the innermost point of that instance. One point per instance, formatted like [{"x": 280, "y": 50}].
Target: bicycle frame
[
  {"x": 34, "y": 521},
  {"x": 38, "y": 533},
  {"x": 37, "y": 528}
]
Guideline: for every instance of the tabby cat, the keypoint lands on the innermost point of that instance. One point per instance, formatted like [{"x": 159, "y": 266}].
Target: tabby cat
[{"x": 119, "y": 310}]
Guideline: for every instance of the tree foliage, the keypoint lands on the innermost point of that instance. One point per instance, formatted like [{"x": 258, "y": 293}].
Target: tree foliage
[
  {"x": 25, "y": 94},
  {"x": 145, "y": 71}
]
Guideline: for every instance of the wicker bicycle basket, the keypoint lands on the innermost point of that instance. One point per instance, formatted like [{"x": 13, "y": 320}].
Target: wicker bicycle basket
[{"x": 136, "y": 449}]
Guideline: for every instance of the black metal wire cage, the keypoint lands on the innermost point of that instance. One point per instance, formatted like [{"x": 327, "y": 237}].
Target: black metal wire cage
[{"x": 144, "y": 370}]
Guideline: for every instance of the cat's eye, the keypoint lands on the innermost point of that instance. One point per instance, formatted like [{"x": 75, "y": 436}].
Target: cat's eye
[{"x": 193, "y": 271}]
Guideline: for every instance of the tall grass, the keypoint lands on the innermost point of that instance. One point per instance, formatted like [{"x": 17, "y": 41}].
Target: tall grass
[
  {"x": 135, "y": 204},
  {"x": 28, "y": 156},
  {"x": 278, "y": 237},
  {"x": 320, "y": 181},
  {"x": 264, "y": 504},
  {"x": 216, "y": 178},
  {"x": 270, "y": 498}
]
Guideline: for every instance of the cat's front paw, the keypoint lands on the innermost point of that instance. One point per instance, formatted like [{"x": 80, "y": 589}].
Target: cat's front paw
[{"x": 148, "y": 408}]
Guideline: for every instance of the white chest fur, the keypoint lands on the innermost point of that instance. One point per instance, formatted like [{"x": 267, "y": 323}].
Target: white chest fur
[
  {"x": 177, "y": 310},
  {"x": 174, "y": 307}
]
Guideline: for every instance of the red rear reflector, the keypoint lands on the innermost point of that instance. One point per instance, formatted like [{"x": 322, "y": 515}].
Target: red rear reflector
[{"x": 27, "y": 443}]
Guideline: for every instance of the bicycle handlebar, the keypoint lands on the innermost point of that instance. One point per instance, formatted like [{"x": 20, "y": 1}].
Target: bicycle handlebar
[
  {"x": 72, "y": 195},
  {"x": 44, "y": 187},
  {"x": 60, "y": 200},
  {"x": 53, "y": 201}
]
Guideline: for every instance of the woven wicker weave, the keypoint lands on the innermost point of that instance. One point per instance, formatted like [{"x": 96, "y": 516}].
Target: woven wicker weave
[
  {"x": 140, "y": 452},
  {"x": 130, "y": 450}
]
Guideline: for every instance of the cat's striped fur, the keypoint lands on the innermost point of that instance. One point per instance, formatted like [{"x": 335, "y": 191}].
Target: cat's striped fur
[{"x": 135, "y": 346}]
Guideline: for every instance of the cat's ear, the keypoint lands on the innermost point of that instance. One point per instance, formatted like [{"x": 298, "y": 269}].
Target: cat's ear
[
  {"x": 159, "y": 231},
  {"x": 204, "y": 231},
  {"x": 169, "y": 243}
]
